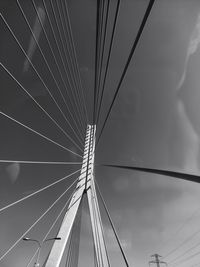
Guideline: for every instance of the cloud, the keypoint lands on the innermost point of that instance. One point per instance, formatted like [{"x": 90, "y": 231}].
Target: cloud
[
  {"x": 37, "y": 32},
  {"x": 195, "y": 39},
  {"x": 13, "y": 171},
  {"x": 122, "y": 185},
  {"x": 191, "y": 144},
  {"x": 125, "y": 239},
  {"x": 192, "y": 48},
  {"x": 191, "y": 138}
]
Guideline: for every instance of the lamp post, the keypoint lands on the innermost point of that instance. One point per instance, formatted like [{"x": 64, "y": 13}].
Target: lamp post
[{"x": 40, "y": 246}]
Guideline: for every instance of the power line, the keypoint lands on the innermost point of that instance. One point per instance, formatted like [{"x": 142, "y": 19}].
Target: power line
[
  {"x": 194, "y": 265},
  {"x": 179, "y": 229},
  {"x": 185, "y": 252},
  {"x": 183, "y": 243},
  {"x": 188, "y": 258},
  {"x": 144, "y": 20}
]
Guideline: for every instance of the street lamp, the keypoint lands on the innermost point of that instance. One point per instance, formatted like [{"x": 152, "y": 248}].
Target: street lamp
[{"x": 39, "y": 246}]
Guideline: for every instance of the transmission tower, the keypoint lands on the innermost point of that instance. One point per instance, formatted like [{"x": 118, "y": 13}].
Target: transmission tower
[
  {"x": 157, "y": 261},
  {"x": 85, "y": 185}
]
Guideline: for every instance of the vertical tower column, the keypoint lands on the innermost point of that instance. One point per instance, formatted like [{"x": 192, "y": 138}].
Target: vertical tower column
[
  {"x": 85, "y": 185},
  {"x": 97, "y": 227}
]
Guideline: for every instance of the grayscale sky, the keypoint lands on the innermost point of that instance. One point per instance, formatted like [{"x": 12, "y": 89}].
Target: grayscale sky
[{"x": 154, "y": 123}]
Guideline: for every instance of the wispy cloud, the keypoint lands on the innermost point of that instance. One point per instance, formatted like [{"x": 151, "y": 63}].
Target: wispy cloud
[
  {"x": 191, "y": 138},
  {"x": 13, "y": 171},
  {"x": 195, "y": 39},
  {"x": 37, "y": 29},
  {"x": 191, "y": 141},
  {"x": 125, "y": 239},
  {"x": 192, "y": 48}
]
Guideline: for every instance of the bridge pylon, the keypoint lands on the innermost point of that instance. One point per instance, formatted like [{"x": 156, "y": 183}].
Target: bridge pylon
[{"x": 85, "y": 185}]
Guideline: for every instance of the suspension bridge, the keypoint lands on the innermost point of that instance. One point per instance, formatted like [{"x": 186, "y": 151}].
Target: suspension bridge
[{"x": 49, "y": 56}]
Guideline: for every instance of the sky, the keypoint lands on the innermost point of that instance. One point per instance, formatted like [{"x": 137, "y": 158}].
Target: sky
[{"x": 154, "y": 123}]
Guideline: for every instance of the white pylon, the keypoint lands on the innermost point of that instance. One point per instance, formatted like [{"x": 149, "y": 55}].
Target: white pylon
[{"x": 85, "y": 185}]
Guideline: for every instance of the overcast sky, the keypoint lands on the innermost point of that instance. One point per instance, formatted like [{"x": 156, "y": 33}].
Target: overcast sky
[{"x": 154, "y": 123}]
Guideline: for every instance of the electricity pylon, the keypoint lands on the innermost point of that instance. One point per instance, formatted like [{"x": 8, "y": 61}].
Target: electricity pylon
[
  {"x": 157, "y": 261},
  {"x": 85, "y": 185}
]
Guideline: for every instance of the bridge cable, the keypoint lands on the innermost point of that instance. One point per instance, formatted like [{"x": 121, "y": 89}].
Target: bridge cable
[
  {"x": 69, "y": 252},
  {"x": 40, "y": 162},
  {"x": 98, "y": 215},
  {"x": 46, "y": 62},
  {"x": 57, "y": 65},
  {"x": 98, "y": 11},
  {"x": 39, "y": 134},
  {"x": 144, "y": 20},
  {"x": 95, "y": 255},
  {"x": 61, "y": 39},
  {"x": 73, "y": 248},
  {"x": 75, "y": 55},
  {"x": 95, "y": 241},
  {"x": 103, "y": 50},
  {"x": 37, "y": 221},
  {"x": 174, "y": 174},
  {"x": 75, "y": 96},
  {"x": 99, "y": 257},
  {"x": 184, "y": 176},
  {"x": 33, "y": 66},
  {"x": 72, "y": 59},
  {"x": 113, "y": 227},
  {"x": 37, "y": 192},
  {"x": 68, "y": 259},
  {"x": 101, "y": 225},
  {"x": 74, "y": 80},
  {"x": 99, "y": 51},
  {"x": 55, "y": 221},
  {"x": 109, "y": 55},
  {"x": 65, "y": 66},
  {"x": 40, "y": 107},
  {"x": 56, "y": 42}
]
